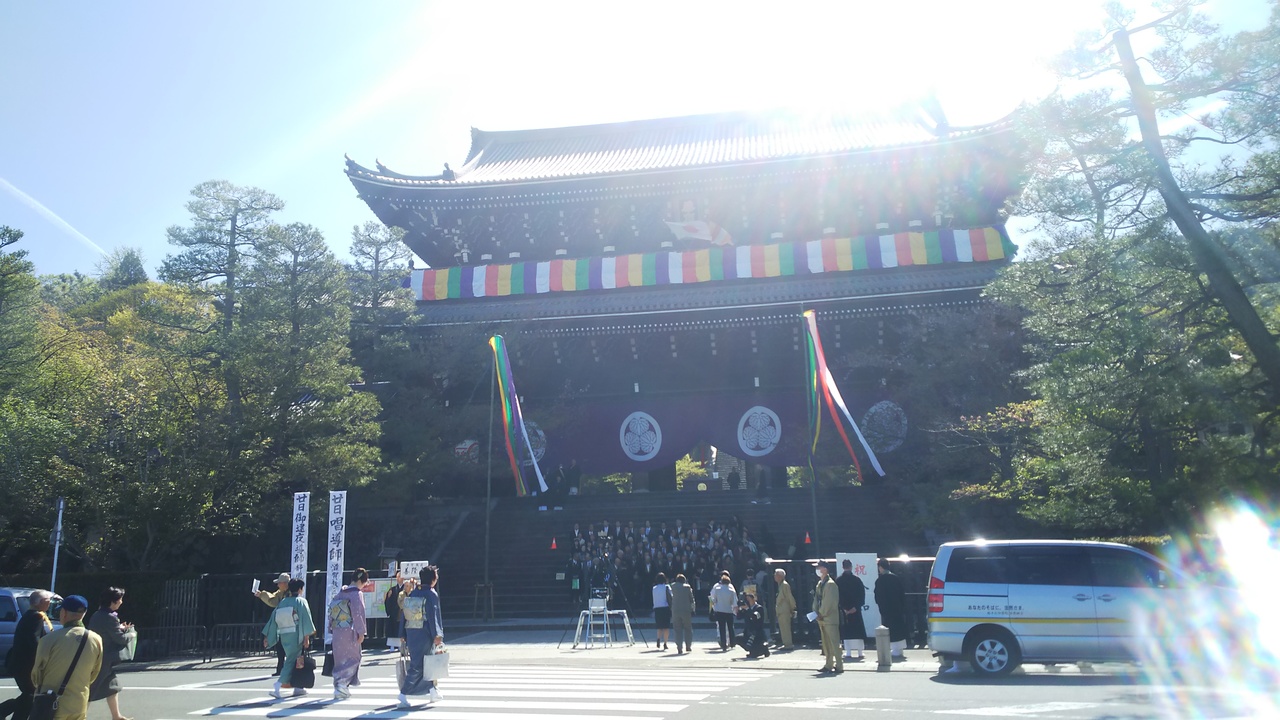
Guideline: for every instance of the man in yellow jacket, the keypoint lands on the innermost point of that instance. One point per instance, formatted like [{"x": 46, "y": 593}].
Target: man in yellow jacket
[
  {"x": 784, "y": 608},
  {"x": 55, "y": 653},
  {"x": 826, "y": 603}
]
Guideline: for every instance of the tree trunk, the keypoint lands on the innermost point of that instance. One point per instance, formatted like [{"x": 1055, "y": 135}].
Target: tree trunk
[{"x": 1208, "y": 255}]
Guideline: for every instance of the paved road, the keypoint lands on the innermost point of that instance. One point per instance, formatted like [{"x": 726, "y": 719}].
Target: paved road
[{"x": 503, "y": 682}]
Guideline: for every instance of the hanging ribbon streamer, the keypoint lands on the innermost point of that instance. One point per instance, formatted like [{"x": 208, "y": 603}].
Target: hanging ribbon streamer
[
  {"x": 512, "y": 420},
  {"x": 822, "y": 386}
]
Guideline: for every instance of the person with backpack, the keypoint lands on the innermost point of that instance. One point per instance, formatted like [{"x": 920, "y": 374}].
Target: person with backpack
[
  {"x": 292, "y": 626},
  {"x": 347, "y": 626}
]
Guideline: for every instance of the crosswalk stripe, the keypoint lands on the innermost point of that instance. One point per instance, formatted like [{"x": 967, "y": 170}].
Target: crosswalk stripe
[
  {"x": 474, "y": 692},
  {"x": 451, "y": 702},
  {"x": 535, "y": 684},
  {"x": 416, "y": 712}
]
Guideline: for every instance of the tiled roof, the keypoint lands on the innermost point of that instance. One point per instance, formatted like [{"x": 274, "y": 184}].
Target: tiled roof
[{"x": 668, "y": 144}]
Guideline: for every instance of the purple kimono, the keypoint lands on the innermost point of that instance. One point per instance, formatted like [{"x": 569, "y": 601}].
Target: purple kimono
[{"x": 347, "y": 625}]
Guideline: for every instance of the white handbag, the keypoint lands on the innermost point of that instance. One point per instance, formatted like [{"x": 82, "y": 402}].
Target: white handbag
[{"x": 435, "y": 665}]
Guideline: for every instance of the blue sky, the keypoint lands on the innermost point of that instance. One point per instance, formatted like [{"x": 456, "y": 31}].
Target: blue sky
[{"x": 114, "y": 111}]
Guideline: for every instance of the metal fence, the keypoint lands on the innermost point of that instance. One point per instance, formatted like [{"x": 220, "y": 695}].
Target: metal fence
[
  {"x": 217, "y": 616},
  {"x": 159, "y": 643},
  {"x": 237, "y": 639}
]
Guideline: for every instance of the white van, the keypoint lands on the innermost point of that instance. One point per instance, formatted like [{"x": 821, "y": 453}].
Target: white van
[{"x": 1000, "y": 603}]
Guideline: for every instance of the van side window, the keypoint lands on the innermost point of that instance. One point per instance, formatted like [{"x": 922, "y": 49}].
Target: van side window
[
  {"x": 977, "y": 565},
  {"x": 1051, "y": 566},
  {"x": 8, "y": 611},
  {"x": 1113, "y": 567}
]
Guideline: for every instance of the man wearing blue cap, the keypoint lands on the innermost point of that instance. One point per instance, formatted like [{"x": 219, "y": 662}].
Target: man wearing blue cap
[{"x": 56, "y": 654}]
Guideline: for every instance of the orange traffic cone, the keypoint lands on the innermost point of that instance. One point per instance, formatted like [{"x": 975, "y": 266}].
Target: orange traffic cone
[
  {"x": 807, "y": 541},
  {"x": 553, "y": 543}
]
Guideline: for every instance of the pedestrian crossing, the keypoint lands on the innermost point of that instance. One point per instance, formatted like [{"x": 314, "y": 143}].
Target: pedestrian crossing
[{"x": 504, "y": 692}]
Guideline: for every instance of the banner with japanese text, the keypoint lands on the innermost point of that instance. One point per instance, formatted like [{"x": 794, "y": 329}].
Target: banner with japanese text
[
  {"x": 301, "y": 524},
  {"x": 334, "y": 558}
]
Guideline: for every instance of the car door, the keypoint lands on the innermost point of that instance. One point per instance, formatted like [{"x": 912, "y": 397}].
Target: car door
[
  {"x": 1129, "y": 589},
  {"x": 8, "y": 623},
  {"x": 1051, "y": 607}
]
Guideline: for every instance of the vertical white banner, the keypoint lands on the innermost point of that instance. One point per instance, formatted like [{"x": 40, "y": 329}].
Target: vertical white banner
[
  {"x": 864, "y": 568},
  {"x": 337, "y": 549},
  {"x": 301, "y": 522}
]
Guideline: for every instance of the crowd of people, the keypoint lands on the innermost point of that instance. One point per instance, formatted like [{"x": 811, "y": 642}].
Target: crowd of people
[
  {"x": 76, "y": 662},
  {"x": 625, "y": 559},
  {"x": 413, "y": 608}
]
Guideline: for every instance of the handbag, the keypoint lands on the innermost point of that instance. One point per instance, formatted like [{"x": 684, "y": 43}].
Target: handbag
[
  {"x": 435, "y": 665},
  {"x": 45, "y": 705},
  {"x": 130, "y": 648},
  {"x": 304, "y": 672},
  {"x": 402, "y": 665},
  {"x": 327, "y": 670}
]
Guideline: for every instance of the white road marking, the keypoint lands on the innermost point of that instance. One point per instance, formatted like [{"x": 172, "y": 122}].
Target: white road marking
[{"x": 1020, "y": 710}]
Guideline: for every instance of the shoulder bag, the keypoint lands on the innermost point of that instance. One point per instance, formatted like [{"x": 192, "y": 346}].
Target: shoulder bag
[{"x": 45, "y": 705}]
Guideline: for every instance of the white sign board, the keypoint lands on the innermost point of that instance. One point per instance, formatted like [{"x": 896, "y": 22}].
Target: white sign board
[
  {"x": 301, "y": 523},
  {"x": 335, "y": 557},
  {"x": 411, "y": 568},
  {"x": 864, "y": 568}
]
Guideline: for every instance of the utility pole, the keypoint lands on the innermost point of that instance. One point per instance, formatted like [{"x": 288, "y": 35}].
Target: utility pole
[
  {"x": 488, "y": 492},
  {"x": 57, "y": 544}
]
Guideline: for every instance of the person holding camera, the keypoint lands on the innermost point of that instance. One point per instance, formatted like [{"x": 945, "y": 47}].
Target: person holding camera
[{"x": 752, "y": 640}]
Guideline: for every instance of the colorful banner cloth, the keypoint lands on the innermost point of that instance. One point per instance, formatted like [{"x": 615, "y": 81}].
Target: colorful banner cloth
[
  {"x": 823, "y": 391},
  {"x": 517, "y": 435},
  {"x": 714, "y": 264}
]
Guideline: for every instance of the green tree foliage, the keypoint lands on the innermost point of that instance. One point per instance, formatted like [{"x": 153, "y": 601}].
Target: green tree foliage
[
  {"x": 1153, "y": 395},
  {"x": 121, "y": 268},
  {"x": 18, "y": 299},
  {"x": 174, "y": 416},
  {"x": 312, "y": 431}
]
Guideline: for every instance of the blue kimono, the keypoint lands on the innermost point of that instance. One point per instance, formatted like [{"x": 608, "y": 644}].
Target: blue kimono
[
  {"x": 290, "y": 622},
  {"x": 420, "y": 634}
]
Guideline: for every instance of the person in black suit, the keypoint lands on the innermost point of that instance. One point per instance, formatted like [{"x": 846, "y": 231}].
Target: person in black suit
[
  {"x": 22, "y": 657},
  {"x": 853, "y": 595}
]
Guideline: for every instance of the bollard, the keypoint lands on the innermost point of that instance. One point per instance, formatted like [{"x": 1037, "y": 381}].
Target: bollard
[{"x": 883, "y": 657}]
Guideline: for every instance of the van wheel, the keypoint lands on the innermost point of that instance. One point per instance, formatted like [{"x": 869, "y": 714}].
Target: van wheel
[{"x": 993, "y": 652}]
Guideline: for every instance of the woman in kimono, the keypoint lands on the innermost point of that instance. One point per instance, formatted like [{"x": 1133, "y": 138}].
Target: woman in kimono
[
  {"x": 423, "y": 632},
  {"x": 347, "y": 626},
  {"x": 291, "y": 625}
]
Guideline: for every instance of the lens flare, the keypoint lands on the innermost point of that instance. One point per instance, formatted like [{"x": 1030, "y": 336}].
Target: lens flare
[{"x": 1208, "y": 644}]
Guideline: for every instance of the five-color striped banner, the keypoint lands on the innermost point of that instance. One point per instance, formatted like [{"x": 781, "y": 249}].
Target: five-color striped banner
[{"x": 828, "y": 255}]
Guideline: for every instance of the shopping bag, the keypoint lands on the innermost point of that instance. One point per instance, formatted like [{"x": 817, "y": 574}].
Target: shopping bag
[
  {"x": 435, "y": 666},
  {"x": 304, "y": 672},
  {"x": 327, "y": 671},
  {"x": 402, "y": 664},
  {"x": 131, "y": 646}
]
